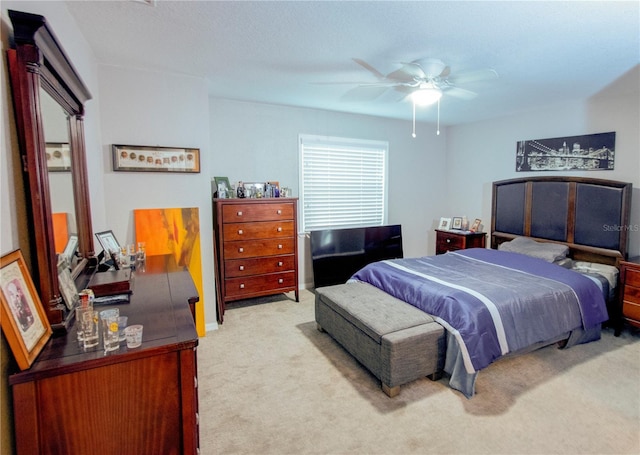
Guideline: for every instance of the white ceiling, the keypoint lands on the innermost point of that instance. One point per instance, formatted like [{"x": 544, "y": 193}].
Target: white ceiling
[{"x": 274, "y": 51}]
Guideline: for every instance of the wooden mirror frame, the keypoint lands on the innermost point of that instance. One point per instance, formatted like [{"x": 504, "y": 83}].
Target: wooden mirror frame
[{"x": 38, "y": 61}]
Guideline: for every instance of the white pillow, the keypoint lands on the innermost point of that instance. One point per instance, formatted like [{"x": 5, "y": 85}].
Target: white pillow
[{"x": 550, "y": 252}]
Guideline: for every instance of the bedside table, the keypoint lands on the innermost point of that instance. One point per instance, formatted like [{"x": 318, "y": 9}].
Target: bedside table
[
  {"x": 630, "y": 291},
  {"x": 458, "y": 240}
]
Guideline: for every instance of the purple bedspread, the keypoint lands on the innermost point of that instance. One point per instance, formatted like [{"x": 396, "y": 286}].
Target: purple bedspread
[{"x": 493, "y": 302}]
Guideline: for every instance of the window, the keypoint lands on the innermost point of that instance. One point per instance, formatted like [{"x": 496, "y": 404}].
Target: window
[{"x": 343, "y": 182}]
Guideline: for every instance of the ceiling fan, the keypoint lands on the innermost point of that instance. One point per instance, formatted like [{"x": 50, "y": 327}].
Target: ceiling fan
[
  {"x": 423, "y": 81},
  {"x": 413, "y": 79}
]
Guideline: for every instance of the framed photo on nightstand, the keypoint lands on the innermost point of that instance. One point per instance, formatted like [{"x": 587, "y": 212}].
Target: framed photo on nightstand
[
  {"x": 445, "y": 224},
  {"x": 476, "y": 225}
]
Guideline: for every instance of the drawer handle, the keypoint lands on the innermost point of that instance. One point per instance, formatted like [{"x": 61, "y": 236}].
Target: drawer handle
[
  {"x": 239, "y": 213},
  {"x": 240, "y": 232},
  {"x": 279, "y": 212},
  {"x": 241, "y": 267},
  {"x": 279, "y": 247},
  {"x": 280, "y": 281},
  {"x": 241, "y": 285},
  {"x": 279, "y": 263},
  {"x": 240, "y": 250},
  {"x": 448, "y": 240},
  {"x": 279, "y": 229}
]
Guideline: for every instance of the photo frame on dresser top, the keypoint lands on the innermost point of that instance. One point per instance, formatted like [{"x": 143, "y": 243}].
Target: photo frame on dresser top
[
  {"x": 23, "y": 319},
  {"x": 108, "y": 242},
  {"x": 456, "y": 223},
  {"x": 142, "y": 158}
]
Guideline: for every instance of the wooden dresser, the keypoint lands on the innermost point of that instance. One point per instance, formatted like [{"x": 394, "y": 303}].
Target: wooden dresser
[
  {"x": 458, "y": 240},
  {"x": 256, "y": 248},
  {"x": 630, "y": 290},
  {"x": 142, "y": 400}
]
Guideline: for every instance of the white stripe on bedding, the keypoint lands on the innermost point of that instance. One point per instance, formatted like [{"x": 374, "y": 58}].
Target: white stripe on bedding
[{"x": 493, "y": 311}]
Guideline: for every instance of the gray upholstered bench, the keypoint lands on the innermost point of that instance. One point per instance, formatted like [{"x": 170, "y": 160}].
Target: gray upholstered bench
[{"x": 397, "y": 342}]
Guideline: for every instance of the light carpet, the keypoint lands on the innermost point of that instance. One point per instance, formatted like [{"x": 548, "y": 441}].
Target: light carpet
[{"x": 271, "y": 383}]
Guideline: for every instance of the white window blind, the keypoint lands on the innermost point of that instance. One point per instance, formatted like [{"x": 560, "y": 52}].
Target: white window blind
[{"x": 342, "y": 182}]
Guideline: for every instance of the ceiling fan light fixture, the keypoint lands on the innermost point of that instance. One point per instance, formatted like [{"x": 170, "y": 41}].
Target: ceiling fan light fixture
[{"x": 426, "y": 96}]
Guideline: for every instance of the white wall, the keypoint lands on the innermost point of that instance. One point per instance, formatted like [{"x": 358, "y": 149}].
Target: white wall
[
  {"x": 482, "y": 152},
  {"x": 157, "y": 109},
  {"x": 259, "y": 142}
]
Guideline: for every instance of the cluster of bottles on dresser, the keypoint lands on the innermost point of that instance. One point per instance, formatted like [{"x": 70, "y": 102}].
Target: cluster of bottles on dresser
[{"x": 266, "y": 190}]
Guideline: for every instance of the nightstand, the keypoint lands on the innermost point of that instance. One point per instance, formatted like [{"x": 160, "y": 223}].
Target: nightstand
[
  {"x": 458, "y": 240},
  {"x": 630, "y": 291}
]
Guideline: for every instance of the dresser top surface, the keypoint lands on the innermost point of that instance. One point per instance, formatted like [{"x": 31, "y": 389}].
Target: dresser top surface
[{"x": 160, "y": 302}]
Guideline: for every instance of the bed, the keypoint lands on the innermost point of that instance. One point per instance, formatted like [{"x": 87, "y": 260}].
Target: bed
[{"x": 550, "y": 276}]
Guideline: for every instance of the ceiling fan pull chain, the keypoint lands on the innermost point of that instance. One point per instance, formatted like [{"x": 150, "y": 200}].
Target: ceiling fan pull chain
[
  {"x": 413, "y": 134},
  {"x": 438, "y": 129}
]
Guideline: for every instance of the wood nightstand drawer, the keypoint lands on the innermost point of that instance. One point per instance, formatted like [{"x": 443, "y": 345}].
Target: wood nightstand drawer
[
  {"x": 631, "y": 310},
  {"x": 255, "y": 248},
  {"x": 632, "y": 294},
  {"x": 238, "y": 213},
  {"x": 632, "y": 277},
  {"x": 451, "y": 240},
  {"x": 245, "y": 286},
  {"x": 258, "y": 230},
  {"x": 256, "y": 266}
]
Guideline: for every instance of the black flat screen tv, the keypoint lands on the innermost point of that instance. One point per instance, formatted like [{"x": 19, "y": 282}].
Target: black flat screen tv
[{"x": 337, "y": 254}]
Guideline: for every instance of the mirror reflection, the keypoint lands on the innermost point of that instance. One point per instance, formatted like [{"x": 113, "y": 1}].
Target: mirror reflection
[{"x": 56, "y": 133}]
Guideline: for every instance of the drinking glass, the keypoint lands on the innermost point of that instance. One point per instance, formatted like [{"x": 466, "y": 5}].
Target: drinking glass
[{"x": 110, "y": 332}]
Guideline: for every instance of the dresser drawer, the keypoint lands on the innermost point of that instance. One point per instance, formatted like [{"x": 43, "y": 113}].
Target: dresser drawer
[
  {"x": 257, "y": 266},
  {"x": 238, "y": 213},
  {"x": 632, "y": 277},
  {"x": 245, "y": 286},
  {"x": 256, "y": 248},
  {"x": 258, "y": 230}
]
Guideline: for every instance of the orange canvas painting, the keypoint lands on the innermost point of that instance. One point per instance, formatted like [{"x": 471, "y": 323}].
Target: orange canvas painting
[{"x": 174, "y": 231}]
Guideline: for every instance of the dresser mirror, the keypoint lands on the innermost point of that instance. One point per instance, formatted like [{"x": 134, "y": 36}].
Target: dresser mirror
[{"x": 49, "y": 99}]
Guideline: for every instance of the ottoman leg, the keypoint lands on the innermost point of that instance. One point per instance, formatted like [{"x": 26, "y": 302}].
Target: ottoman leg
[
  {"x": 319, "y": 327},
  {"x": 390, "y": 391}
]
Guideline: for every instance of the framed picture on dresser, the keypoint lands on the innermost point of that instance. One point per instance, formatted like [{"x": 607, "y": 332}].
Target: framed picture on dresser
[{"x": 24, "y": 322}]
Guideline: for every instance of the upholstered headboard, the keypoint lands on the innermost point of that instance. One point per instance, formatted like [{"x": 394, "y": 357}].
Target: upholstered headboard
[{"x": 591, "y": 216}]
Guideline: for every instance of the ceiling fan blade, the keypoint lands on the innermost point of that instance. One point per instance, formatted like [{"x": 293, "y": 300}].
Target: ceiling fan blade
[
  {"x": 409, "y": 72},
  {"x": 369, "y": 68},
  {"x": 461, "y": 93},
  {"x": 473, "y": 76},
  {"x": 364, "y": 93},
  {"x": 445, "y": 72}
]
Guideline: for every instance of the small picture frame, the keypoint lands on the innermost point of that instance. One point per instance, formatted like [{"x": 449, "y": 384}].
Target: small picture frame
[
  {"x": 70, "y": 249},
  {"x": 456, "y": 222},
  {"x": 108, "y": 242},
  {"x": 445, "y": 224},
  {"x": 476, "y": 225},
  {"x": 223, "y": 183},
  {"x": 155, "y": 159},
  {"x": 24, "y": 322},
  {"x": 67, "y": 286}
]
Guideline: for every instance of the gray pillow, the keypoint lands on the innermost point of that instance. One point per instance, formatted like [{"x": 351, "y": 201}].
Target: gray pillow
[{"x": 550, "y": 252}]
